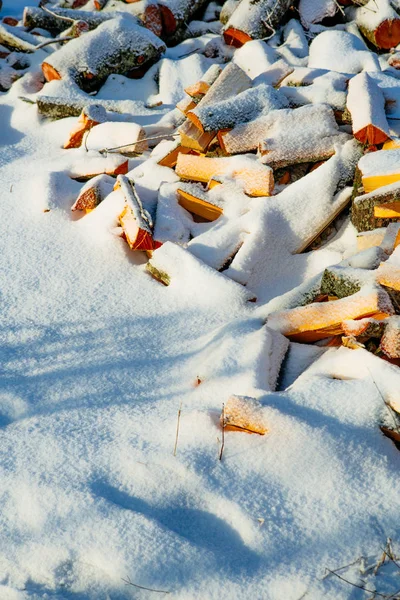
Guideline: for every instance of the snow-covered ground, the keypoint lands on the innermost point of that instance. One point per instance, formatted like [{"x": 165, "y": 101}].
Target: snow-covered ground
[{"x": 96, "y": 360}]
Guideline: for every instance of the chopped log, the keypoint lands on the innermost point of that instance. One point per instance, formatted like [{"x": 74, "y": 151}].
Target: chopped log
[
  {"x": 93, "y": 192},
  {"x": 200, "y": 89},
  {"x": 380, "y": 24},
  {"x": 363, "y": 214},
  {"x": 379, "y": 168},
  {"x": 193, "y": 138},
  {"x": 370, "y": 239},
  {"x": 99, "y": 4},
  {"x": 58, "y": 107},
  {"x": 243, "y": 107},
  {"x": 92, "y": 165},
  {"x": 243, "y": 413},
  {"x": 38, "y": 18},
  {"x": 257, "y": 179},
  {"x": 344, "y": 281},
  {"x": 364, "y": 328},
  {"x": 186, "y": 104},
  {"x": 228, "y": 7},
  {"x": 305, "y": 134},
  {"x": 89, "y": 117},
  {"x": 177, "y": 13},
  {"x": 391, "y": 239},
  {"x": 388, "y": 275},
  {"x": 317, "y": 321},
  {"x": 275, "y": 74},
  {"x": 193, "y": 198},
  {"x": 312, "y": 12},
  {"x": 254, "y": 19},
  {"x": 366, "y": 104},
  {"x": 135, "y": 221},
  {"x": 390, "y": 342},
  {"x": 389, "y": 210},
  {"x": 128, "y": 138},
  {"x": 125, "y": 46},
  {"x": 17, "y": 39},
  {"x": 169, "y": 159}
]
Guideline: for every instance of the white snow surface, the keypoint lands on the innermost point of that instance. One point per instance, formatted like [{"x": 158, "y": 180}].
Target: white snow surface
[{"x": 97, "y": 358}]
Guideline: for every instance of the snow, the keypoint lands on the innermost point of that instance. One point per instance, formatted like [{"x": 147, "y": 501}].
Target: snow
[
  {"x": 366, "y": 104},
  {"x": 341, "y": 51},
  {"x": 97, "y": 358}
]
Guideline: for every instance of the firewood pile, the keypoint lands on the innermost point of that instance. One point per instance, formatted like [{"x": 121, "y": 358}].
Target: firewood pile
[{"x": 294, "y": 124}]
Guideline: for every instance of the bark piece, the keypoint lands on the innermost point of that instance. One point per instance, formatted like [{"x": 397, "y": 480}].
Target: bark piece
[
  {"x": 37, "y": 18},
  {"x": 324, "y": 319},
  {"x": 363, "y": 214},
  {"x": 193, "y": 198},
  {"x": 254, "y": 19},
  {"x": 256, "y": 179},
  {"x": 378, "y": 22},
  {"x": 89, "y": 117},
  {"x": 135, "y": 221},
  {"x": 243, "y": 413},
  {"x": 306, "y": 134},
  {"x": 94, "y": 192},
  {"x": 366, "y": 104},
  {"x": 116, "y": 46}
]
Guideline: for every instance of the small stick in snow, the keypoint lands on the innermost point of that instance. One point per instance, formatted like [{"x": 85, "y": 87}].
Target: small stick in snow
[
  {"x": 141, "y": 587},
  {"x": 177, "y": 428},
  {"x": 53, "y": 14},
  {"x": 360, "y": 587},
  {"x": 223, "y": 431}
]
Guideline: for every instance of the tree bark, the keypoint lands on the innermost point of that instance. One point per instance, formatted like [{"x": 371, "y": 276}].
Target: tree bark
[
  {"x": 254, "y": 19},
  {"x": 363, "y": 207}
]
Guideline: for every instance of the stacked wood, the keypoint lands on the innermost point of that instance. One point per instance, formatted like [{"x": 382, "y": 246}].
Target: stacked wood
[
  {"x": 378, "y": 22},
  {"x": 325, "y": 319},
  {"x": 257, "y": 179},
  {"x": 193, "y": 198},
  {"x": 124, "y": 45},
  {"x": 366, "y": 104},
  {"x": 305, "y": 134},
  {"x": 93, "y": 192},
  {"x": 89, "y": 117},
  {"x": 254, "y": 19},
  {"x": 379, "y": 169},
  {"x": 34, "y": 18},
  {"x": 363, "y": 214},
  {"x": 243, "y": 413},
  {"x": 135, "y": 221}
]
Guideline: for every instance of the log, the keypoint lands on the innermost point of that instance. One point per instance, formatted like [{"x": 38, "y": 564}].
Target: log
[
  {"x": 177, "y": 13},
  {"x": 256, "y": 179},
  {"x": 391, "y": 239},
  {"x": 379, "y": 169},
  {"x": 388, "y": 275},
  {"x": 170, "y": 157},
  {"x": 94, "y": 192},
  {"x": 228, "y": 7},
  {"x": 366, "y": 104},
  {"x": 17, "y": 39},
  {"x": 274, "y": 74},
  {"x": 193, "y": 138},
  {"x": 363, "y": 214},
  {"x": 127, "y": 138},
  {"x": 254, "y": 19},
  {"x": 58, "y": 107},
  {"x": 305, "y": 134},
  {"x": 135, "y": 221},
  {"x": 37, "y": 18},
  {"x": 320, "y": 320},
  {"x": 125, "y": 46},
  {"x": 200, "y": 89},
  {"x": 312, "y": 12},
  {"x": 390, "y": 341},
  {"x": 90, "y": 117},
  {"x": 93, "y": 165},
  {"x": 243, "y": 413},
  {"x": 388, "y": 210},
  {"x": 194, "y": 199},
  {"x": 370, "y": 239},
  {"x": 245, "y": 106},
  {"x": 378, "y": 22}
]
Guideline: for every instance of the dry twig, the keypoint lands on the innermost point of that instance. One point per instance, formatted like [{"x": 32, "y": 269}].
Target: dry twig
[{"x": 177, "y": 428}]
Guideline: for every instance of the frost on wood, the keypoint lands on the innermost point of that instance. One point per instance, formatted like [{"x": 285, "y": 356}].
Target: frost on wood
[
  {"x": 341, "y": 51},
  {"x": 117, "y": 46},
  {"x": 379, "y": 22},
  {"x": 254, "y": 19},
  {"x": 128, "y": 138},
  {"x": 37, "y": 18},
  {"x": 366, "y": 104},
  {"x": 135, "y": 221},
  {"x": 314, "y": 11},
  {"x": 390, "y": 342},
  {"x": 94, "y": 192},
  {"x": 244, "y": 413},
  {"x": 379, "y": 169},
  {"x": 90, "y": 116},
  {"x": 363, "y": 214}
]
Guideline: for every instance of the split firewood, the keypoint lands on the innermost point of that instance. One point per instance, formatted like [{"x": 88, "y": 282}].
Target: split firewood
[
  {"x": 370, "y": 239},
  {"x": 257, "y": 179},
  {"x": 305, "y": 134},
  {"x": 126, "y": 46},
  {"x": 193, "y": 198},
  {"x": 127, "y": 138},
  {"x": 135, "y": 221},
  {"x": 17, "y": 39},
  {"x": 317, "y": 321},
  {"x": 200, "y": 89},
  {"x": 177, "y": 13},
  {"x": 388, "y": 275},
  {"x": 95, "y": 164},
  {"x": 274, "y": 74},
  {"x": 170, "y": 156},
  {"x": 94, "y": 192},
  {"x": 363, "y": 214},
  {"x": 379, "y": 169},
  {"x": 244, "y": 107},
  {"x": 378, "y": 22},
  {"x": 193, "y": 138},
  {"x": 391, "y": 239},
  {"x": 366, "y": 104},
  {"x": 364, "y": 329},
  {"x": 89, "y": 117},
  {"x": 243, "y": 413},
  {"x": 342, "y": 281},
  {"x": 314, "y": 12},
  {"x": 254, "y": 20},
  {"x": 38, "y": 18},
  {"x": 388, "y": 210},
  {"x": 390, "y": 341}
]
